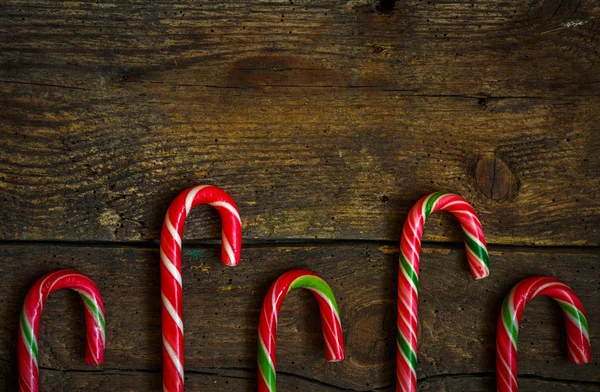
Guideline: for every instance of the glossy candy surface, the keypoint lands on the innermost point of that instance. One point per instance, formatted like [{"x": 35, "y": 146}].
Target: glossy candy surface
[
  {"x": 170, "y": 269},
  {"x": 408, "y": 273},
  {"x": 267, "y": 328},
  {"x": 578, "y": 339},
  {"x": 29, "y": 324}
]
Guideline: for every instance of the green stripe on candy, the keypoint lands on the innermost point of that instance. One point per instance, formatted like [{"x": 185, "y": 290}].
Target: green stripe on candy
[
  {"x": 407, "y": 350},
  {"x": 430, "y": 202},
  {"x": 265, "y": 366},
  {"x": 29, "y": 338},
  {"x": 94, "y": 309},
  {"x": 477, "y": 250},
  {"x": 409, "y": 270},
  {"x": 315, "y": 283},
  {"x": 508, "y": 320},
  {"x": 574, "y": 313}
]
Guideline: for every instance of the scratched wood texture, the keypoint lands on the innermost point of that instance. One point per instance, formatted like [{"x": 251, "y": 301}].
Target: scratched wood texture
[
  {"x": 326, "y": 121},
  {"x": 457, "y": 317}
]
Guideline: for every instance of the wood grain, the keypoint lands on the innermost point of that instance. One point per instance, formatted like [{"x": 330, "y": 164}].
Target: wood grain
[
  {"x": 326, "y": 121},
  {"x": 304, "y": 174},
  {"x": 226, "y": 380},
  {"x": 480, "y": 49},
  {"x": 332, "y": 131},
  {"x": 457, "y": 317}
]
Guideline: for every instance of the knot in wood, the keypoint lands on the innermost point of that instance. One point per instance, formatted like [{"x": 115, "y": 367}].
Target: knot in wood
[{"x": 494, "y": 178}]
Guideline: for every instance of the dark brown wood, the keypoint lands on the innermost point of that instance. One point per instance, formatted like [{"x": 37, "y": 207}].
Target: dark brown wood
[
  {"x": 332, "y": 131},
  {"x": 232, "y": 380},
  {"x": 457, "y": 317},
  {"x": 485, "y": 49},
  {"x": 88, "y": 182},
  {"x": 326, "y": 121}
]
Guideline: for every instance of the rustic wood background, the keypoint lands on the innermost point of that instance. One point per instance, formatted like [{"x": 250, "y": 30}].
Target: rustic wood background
[{"x": 325, "y": 121}]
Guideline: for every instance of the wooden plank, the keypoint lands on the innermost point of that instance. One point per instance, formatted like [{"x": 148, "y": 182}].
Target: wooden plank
[
  {"x": 343, "y": 164},
  {"x": 333, "y": 131},
  {"x": 487, "y": 48},
  {"x": 487, "y": 383},
  {"x": 223, "y": 380},
  {"x": 457, "y": 317}
]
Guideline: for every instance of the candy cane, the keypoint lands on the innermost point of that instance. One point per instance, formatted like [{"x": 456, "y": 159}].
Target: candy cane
[
  {"x": 170, "y": 269},
  {"x": 29, "y": 325},
  {"x": 408, "y": 274},
  {"x": 267, "y": 327},
  {"x": 578, "y": 338}
]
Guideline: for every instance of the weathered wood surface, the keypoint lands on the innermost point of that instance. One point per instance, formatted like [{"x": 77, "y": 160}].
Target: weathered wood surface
[
  {"x": 325, "y": 121},
  {"x": 536, "y": 48},
  {"x": 322, "y": 120},
  {"x": 457, "y": 318}
]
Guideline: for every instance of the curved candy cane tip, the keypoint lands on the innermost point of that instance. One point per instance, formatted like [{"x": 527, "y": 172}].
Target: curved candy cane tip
[
  {"x": 171, "y": 288},
  {"x": 30, "y": 320},
  {"x": 230, "y": 218},
  {"x": 408, "y": 272},
  {"x": 509, "y": 319},
  {"x": 478, "y": 273},
  {"x": 267, "y": 328}
]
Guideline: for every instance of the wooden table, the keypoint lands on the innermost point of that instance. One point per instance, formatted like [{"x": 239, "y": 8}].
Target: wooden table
[{"x": 326, "y": 122}]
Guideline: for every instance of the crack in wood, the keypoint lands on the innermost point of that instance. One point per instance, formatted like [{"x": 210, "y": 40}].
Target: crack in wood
[
  {"x": 301, "y": 243},
  {"x": 222, "y": 372}
]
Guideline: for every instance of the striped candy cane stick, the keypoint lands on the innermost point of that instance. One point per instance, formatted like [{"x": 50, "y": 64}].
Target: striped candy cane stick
[
  {"x": 578, "y": 339},
  {"x": 170, "y": 269},
  {"x": 267, "y": 327},
  {"x": 408, "y": 274},
  {"x": 29, "y": 325}
]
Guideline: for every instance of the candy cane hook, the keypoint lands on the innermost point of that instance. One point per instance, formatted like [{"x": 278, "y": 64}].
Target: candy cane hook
[
  {"x": 267, "y": 327},
  {"x": 170, "y": 269},
  {"x": 578, "y": 338},
  {"x": 29, "y": 325},
  {"x": 408, "y": 274}
]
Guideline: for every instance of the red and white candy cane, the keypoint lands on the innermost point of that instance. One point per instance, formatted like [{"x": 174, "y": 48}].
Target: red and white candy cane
[
  {"x": 408, "y": 274},
  {"x": 29, "y": 325},
  {"x": 578, "y": 338},
  {"x": 170, "y": 269},
  {"x": 267, "y": 327}
]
